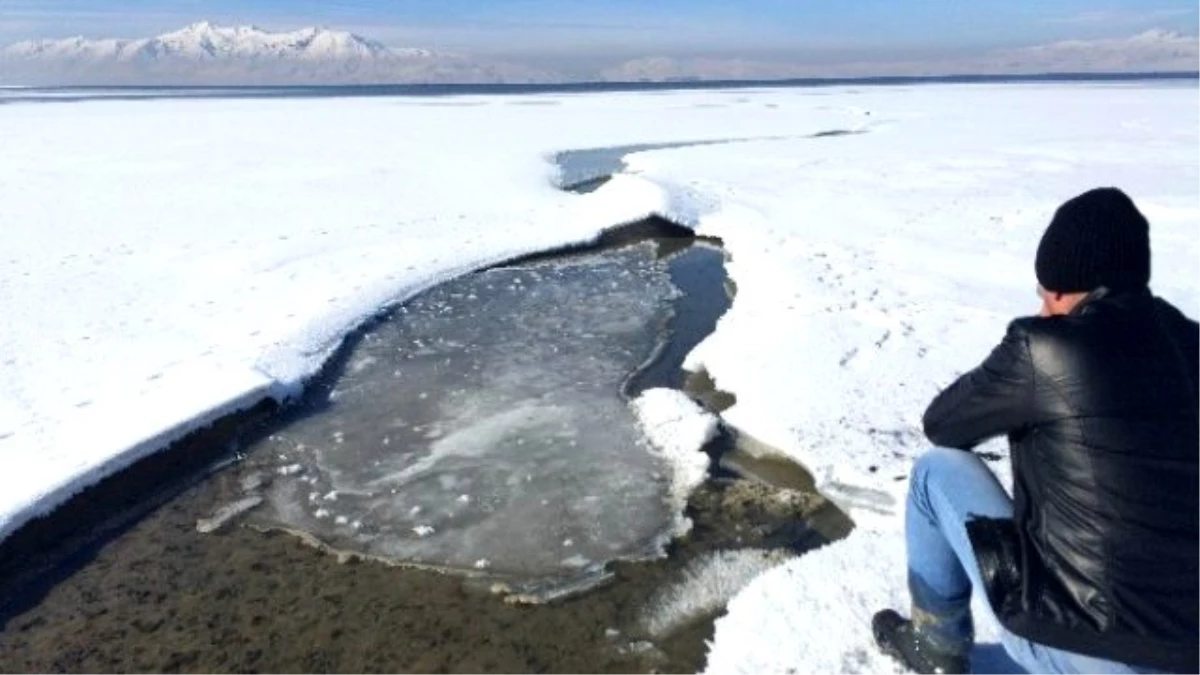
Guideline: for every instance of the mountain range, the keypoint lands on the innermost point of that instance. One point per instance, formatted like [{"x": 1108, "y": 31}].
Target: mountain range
[
  {"x": 204, "y": 54},
  {"x": 1152, "y": 51}
]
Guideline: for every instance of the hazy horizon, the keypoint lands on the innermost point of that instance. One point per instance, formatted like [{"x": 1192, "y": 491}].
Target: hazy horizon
[
  {"x": 554, "y": 33},
  {"x": 548, "y": 40}
]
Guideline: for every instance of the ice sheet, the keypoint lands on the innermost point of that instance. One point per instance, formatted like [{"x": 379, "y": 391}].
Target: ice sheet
[{"x": 482, "y": 428}]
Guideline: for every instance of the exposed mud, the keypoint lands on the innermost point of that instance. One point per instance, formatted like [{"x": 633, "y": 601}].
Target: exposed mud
[
  {"x": 144, "y": 572},
  {"x": 165, "y": 597}
]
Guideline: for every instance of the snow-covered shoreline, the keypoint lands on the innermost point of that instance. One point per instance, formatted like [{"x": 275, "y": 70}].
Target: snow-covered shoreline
[
  {"x": 173, "y": 261},
  {"x": 168, "y": 262},
  {"x": 871, "y": 271}
]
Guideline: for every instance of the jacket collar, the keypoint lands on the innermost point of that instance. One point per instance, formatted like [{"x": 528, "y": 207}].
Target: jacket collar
[{"x": 1091, "y": 300}]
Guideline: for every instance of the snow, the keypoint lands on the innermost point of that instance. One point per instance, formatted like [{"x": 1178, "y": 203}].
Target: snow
[
  {"x": 1151, "y": 51},
  {"x": 167, "y": 262},
  {"x": 208, "y": 54},
  {"x": 707, "y": 584},
  {"x": 874, "y": 268},
  {"x": 677, "y": 428},
  {"x": 205, "y": 41},
  {"x": 203, "y": 53},
  {"x": 813, "y": 614}
]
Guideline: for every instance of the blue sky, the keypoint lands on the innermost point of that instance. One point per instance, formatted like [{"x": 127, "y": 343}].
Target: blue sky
[{"x": 562, "y": 30}]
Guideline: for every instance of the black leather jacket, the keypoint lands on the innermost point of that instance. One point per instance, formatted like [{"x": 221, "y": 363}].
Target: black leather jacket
[{"x": 1101, "y": 412}]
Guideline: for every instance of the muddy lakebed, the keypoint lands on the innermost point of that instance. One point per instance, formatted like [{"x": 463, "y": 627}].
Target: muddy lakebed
[{"x": 464, "y": 488}]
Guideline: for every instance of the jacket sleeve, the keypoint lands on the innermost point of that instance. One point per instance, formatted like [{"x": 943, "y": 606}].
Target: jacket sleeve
[{"x": 993, "y": 399}]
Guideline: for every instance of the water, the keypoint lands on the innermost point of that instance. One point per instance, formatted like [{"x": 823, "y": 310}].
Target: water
[
  {"x": 699, "y": 273},
  {"x": 72, "y": 94},
  {"x": 482, "y": 429},
  {"x": 583, "y": 171},
  {"x": 181, "y": 587},
  {"x": 586, "y": 170},
  {"x": 491, "y": 479}
]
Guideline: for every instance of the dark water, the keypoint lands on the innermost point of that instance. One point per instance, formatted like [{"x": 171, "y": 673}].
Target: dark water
[
  {"x": 120, "y": 579},
  {"x": 74, "y": 94},
  {"x": 483, "y": 429},
  {"x": 699, "y": 274},
  {"x": 155, "y": 594},
  {"x": 159, "y": 596},
  {"x": 164, "y": 597}
]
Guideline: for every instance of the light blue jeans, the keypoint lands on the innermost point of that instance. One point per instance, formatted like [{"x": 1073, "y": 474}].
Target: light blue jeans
[{"x": 948, "y": 487}]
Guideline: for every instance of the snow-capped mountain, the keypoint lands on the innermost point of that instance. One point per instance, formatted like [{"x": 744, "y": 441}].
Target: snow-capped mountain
[
  {"x": 1149, "y": 51},
  {"x": 1152, "y": 50},
  {"x": 205, "y": 54}
]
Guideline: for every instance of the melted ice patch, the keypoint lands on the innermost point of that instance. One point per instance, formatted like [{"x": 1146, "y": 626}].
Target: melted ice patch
[{"x": 482, "y": 428}]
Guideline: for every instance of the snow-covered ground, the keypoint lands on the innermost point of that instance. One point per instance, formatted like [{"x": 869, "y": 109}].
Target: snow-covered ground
[
  {"x": 872, "y": 269},
  {"x": 166, "y": 262}
]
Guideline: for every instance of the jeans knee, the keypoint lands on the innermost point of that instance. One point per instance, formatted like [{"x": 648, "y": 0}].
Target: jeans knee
[
  {"x": 942, "y": 460},
  {"x": 932, "y": 464}
]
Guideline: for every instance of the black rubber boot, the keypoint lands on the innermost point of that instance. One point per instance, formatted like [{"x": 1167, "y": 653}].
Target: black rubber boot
[{"x": 898, "y": 638}]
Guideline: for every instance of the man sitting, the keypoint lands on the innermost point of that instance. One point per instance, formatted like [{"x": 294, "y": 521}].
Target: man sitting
[{"x": 1092, "y": 566}]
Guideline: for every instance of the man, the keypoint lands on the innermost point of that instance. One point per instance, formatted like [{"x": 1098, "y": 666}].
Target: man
[{"x": 1092, "y": 566}]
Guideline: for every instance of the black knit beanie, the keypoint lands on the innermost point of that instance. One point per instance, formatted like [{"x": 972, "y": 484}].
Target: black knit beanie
[{"x": 1096, "y": 239}]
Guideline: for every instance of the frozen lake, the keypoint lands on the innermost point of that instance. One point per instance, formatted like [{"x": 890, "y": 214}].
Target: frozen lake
[
  {"x": 160, "y": 281},
  {"x": 483, "y": 427}
]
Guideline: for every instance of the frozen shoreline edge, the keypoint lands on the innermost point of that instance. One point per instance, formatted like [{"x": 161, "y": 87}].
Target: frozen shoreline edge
[
  {"x": 262, "y": 387},
  {"x": 657, "y": 201},
  {"x": 279, "y": 391}
]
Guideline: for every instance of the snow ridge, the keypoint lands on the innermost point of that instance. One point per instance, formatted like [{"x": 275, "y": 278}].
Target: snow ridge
[
  {"x": 206, "y": 41},
  {"x": 205, "y": 53},
  {"x": 678, "y": 429}
]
